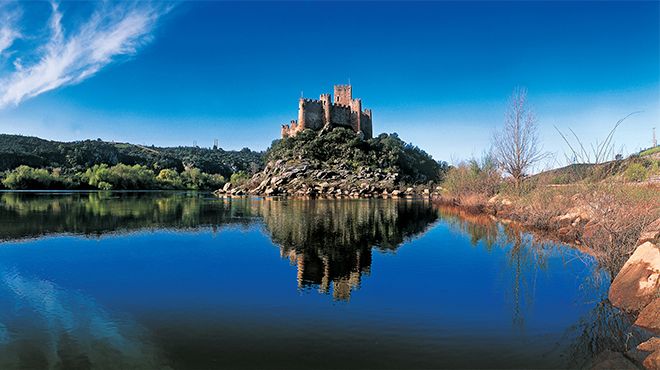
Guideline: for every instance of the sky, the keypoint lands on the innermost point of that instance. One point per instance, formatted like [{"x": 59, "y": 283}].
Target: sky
[{"x": 437, "y": 73}]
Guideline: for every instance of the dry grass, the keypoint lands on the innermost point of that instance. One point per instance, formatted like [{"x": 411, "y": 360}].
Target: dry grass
[
  {"x": 605, "y": 218},
  {"x": 618, "y": 215}
]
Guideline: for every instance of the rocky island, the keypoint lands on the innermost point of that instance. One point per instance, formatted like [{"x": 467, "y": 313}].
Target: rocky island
[{"x": 329, "y": 151}]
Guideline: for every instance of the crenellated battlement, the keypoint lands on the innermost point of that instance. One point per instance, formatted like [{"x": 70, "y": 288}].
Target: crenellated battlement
[{"x": 343, "y": 111}]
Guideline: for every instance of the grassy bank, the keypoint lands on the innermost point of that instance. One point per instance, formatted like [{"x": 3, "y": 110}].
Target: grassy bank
[{"x": 604, "y": 216}]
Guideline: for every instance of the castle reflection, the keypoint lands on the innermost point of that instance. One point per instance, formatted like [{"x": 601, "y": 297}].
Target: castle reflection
[{"x": 329, "y": 241}]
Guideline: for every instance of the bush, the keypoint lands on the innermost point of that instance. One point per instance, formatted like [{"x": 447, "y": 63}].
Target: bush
[
  {"x": 169, "y": 179},
  {"x": 636, "y": 172},
  {"x": 195, "y": 179},
  {"x": 25, "y": 177},
  {"x": 477, "y": 176},
  {"x": 344, "y": 148},
  {"x": 239, "y": 178},
  {"x": 120, "y": 177}
]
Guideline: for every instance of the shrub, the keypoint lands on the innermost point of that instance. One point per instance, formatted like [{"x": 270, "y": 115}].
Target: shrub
[
  {"x": 195, "y": 179},
  {"x": 474, "y": 176},
  {"x": 239, "y": 178},
  {"x": 25, "y": 177},
  {"x": 344, "y": 148},
  {"x": 636, "y": 172},
  {"x": 120, "y": 177},
  {"x": 169, "y": 179},
  {"x": 619, "y": 213}
]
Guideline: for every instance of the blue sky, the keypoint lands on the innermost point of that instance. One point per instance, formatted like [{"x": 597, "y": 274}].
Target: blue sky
[{"x": 437, "y": 73}]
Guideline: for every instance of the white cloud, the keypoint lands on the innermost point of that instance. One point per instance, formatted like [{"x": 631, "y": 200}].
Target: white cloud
[
  {"x": 9, "y": 15},
  {"x": 70, "y": 56}
]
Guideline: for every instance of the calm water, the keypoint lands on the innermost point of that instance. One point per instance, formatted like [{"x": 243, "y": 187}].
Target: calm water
[{"x": 177, "y": 280}]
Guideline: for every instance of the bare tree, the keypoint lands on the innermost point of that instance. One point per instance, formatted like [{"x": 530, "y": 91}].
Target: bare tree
[{"x": 516, "y": 146}]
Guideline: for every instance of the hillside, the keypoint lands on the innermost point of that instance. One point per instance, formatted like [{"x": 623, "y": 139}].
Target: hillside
[
  {"x": 16, "y": 150},
  {"x": 641, "y": 167},
  {"x": 339, "y": 162}
]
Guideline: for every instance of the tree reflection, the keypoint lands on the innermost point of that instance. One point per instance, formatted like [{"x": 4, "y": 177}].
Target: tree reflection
[{"x": 331, "y": 241}]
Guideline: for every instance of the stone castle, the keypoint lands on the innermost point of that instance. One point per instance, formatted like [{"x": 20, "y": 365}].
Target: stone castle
[{"x": 344, "y": 111}]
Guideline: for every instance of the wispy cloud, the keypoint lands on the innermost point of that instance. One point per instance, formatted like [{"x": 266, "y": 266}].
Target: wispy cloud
[
  {"x": 70, "y": 56},
  {"x": 9, "y": 15}
]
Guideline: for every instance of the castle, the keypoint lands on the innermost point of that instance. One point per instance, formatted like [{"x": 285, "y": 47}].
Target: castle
[{"x": 344, "y": 111}]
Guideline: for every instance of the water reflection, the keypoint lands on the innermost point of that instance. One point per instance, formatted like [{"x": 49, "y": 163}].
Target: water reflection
[
  {"x": 49, "y": 327},
  {"x": 331, "y": 242},
  {"x": 467, "y": 291},
  {"x": 29, "y": 215}
]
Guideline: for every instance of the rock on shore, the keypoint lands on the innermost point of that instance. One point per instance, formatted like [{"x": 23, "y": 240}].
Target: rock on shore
[
  {"x": 636, "y": 289},
  {"x": 303, "y": 178}
]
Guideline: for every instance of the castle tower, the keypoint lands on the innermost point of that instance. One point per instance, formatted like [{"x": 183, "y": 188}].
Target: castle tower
[
  {"x": 301, "y": 114},
  {"x": 343, "y": 94},
  {"x": 356, "y": 113},
  {"x": 327, "y": 103}
]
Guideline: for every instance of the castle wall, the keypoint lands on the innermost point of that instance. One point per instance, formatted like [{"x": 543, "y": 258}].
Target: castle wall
[
  {"x": 341, "y": 116},
  {"x": 313, "y": 114}
]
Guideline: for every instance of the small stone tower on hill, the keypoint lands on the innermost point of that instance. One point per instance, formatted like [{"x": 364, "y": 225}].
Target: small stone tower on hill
[{"x": 344, "y": 111}]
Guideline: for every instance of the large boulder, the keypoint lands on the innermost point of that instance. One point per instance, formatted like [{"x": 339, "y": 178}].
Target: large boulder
[
  {"x": 650, "y": 345},
  {"x": 638, "y": 282},
  {"x": 650, "y": 232},
  {"x": 649, "y": 318}
]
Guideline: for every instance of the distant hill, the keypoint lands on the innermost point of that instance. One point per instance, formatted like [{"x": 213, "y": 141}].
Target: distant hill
[
  {"x": 16, "y": 150},
  {"x": 643, "y": 166}
]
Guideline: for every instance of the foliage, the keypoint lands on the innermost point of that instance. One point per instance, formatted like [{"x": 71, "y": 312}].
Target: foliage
[
  {"x": 16, "y": 150},
  {"x": 344, "y": 148},
  {"x": 636, "y": 172},
  {"x": 474, "y": 176},
  {"x": 25, "y": 177},
  {"x": 650, "y": 151},
  {"x": 239, "y": 178},
  {"x": 119, "y": 177},
  {"x": 195, "y": 179}
]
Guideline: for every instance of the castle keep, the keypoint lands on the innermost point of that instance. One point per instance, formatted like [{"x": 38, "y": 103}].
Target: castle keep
[{"x": 344, "y": 111}]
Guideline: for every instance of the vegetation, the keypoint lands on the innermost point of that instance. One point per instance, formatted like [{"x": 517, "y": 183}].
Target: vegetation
[
  {"x": 601, "y": 200},
  {"x": 78, "y": 156},
  {"x": 650, "y": 151},
  {"x": 118, "y": 177},
  {"x": 345, "y": 149},
  {"x": 33, "y": 163},
  {"x": 25, "y": 177},
  {"x": 516, "y": 146},
  {"x": 479, "y": 176}
]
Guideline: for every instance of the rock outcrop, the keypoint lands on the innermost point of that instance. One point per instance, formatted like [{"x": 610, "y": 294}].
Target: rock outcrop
[
  {"x": 652, "y": 361},
  {"x": 649, "y": 317},
  {"x": 636, "y": 289},
  {"x": 638, "y": 282},
  {"x": 308, "y": 179}
]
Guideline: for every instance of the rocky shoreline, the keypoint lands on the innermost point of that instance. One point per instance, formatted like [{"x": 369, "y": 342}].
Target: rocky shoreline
[
  {"x": 635, "y": 288},
  {"x": 307, "y": 179}
]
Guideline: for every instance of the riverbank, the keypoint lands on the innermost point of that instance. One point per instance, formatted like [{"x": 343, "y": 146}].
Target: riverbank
[{"x": 619, "y": 224}]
